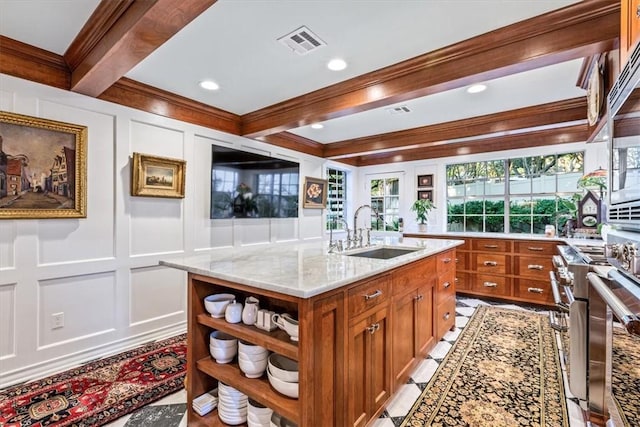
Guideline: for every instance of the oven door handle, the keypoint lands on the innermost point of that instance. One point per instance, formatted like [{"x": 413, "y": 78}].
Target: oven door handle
[
  {"x": 556, "y": 293},
  {"x": 627, "y": 317}
]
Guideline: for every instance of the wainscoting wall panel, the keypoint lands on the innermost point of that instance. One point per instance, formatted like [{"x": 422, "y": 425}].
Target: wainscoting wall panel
[
  {"x": 7, "y": 320},
  {"x": 147, "y": 302},
  {"x": 8, "y": 233}
]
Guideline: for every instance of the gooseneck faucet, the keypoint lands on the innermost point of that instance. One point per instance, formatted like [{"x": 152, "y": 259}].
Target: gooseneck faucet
[{"x": 357, "y": 240}]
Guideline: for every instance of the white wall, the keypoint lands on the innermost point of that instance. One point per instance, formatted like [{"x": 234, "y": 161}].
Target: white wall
[
  {"x": 102, "y": 272},
  {"x": 595, "y": 156}
]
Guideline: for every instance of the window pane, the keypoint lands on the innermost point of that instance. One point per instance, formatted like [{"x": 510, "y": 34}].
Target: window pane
[
  {"x": 494, "y": 223},
  {"x": 377, "y": 187},
  {"x": 474, "y": 223},
  {"x": 392, "y": 187},
  {"x": 520, "y": 224}
]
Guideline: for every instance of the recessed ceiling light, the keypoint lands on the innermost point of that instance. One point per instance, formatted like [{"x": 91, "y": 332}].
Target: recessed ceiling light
[
  {"x": 476, "y": 88},
  {"x": 317, "y": 126},
  {"x": 209, "y": 85},
  {"x": 336, "y": 64}
]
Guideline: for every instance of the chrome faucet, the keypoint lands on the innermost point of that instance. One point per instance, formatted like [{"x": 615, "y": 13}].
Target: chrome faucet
[
  {"x": 357, "y": 240},
  {"x": 338, "y": 244}
]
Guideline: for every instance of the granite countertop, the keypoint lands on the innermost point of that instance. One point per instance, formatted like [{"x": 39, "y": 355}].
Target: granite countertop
[
  {"x": 303, "y": 269},
  {"x": 514, "y": 236}
]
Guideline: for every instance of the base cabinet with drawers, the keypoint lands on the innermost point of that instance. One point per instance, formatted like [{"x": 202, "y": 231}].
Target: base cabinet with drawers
[
  {"x": 504, "y": 268},
  {"x": 357, "y": 344}
]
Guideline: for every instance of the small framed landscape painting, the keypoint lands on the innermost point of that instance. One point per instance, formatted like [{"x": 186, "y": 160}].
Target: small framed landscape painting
[
  {"x": 425, "y": 194},
  {"x": 154, "y": 176},
  {"x": 425, "y": 180},
  {"x": 43, "y": 168},
  {"x": 315, "y": 193}
]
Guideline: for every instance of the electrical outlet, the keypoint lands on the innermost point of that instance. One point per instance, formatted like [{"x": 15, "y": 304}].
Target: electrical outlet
[{"x": 57, "y": 320}]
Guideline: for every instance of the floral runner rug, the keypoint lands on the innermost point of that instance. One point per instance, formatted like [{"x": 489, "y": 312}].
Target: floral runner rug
[
  {"x": 625, "y": 376},
  {"x": 503, "y": 371},
  {"x": 98, "y": 392}
]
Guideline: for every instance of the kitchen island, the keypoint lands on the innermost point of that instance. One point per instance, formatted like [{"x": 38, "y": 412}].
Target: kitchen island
[{"x": 364, "y": 323}]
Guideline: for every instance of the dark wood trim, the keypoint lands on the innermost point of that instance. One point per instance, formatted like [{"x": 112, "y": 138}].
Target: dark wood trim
[
  {"x": 586, "y": 69},
  {"x": 132, "y": 35},
  {"x": 32, "y": 63},
  {"x": 579, "y": 30},
  {"x": 539, "y": 115},
  {"x": 562, "y": 135},
  {"x": 295, "y": 142},
  {"x": 143, "y": 97}
]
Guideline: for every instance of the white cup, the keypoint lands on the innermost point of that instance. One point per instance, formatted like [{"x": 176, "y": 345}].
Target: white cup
[{"x": 233, "y": 312}]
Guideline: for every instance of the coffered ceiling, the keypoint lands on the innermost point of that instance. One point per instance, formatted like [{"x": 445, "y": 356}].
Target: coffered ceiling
[{"x": 421, "y": 55}]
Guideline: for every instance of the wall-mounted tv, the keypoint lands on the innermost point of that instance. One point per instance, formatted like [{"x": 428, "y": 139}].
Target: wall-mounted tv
[{"x": 250, "y": 185}]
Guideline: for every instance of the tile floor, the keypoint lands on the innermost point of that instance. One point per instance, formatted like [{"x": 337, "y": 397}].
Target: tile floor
[{"x": 170, "y": 411}]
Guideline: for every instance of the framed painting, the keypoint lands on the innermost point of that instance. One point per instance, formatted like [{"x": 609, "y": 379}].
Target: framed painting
[
  {"x": 425, "y": 180},
  {"x": 154, "y": 176},
  {"x": 425, "y": 194},
  {"x": 315, "y": 193},
  {"x": 43, "y": 168}
]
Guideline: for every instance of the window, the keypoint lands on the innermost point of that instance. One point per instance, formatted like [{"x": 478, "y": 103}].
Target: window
[
  {"x": 517, "y": 195},
  {"x": 336, "y": 198},
  {"x": 385, "y": 198},
  {"x": 277, "y": 192}
]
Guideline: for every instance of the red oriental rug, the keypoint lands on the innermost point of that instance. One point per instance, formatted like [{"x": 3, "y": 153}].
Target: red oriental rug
[{"x": 98, "y": 392}]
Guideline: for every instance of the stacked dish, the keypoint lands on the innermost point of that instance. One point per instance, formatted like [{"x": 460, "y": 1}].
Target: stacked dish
[
  {"x": 258, "y": 415},
  {"x": 222, "y": 346},
  {"x": 232, "y": 405},
  {"x": 216, "y": 304},
  {"x": 283, "y": 375},
  {"x": 252, "y": 359}
]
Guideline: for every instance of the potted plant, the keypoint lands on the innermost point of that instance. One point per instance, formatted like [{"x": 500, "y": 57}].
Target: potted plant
[{"x": 422, "y": 207}]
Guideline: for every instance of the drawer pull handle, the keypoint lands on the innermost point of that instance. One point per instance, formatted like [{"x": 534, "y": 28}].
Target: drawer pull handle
[
  {"x": 535, "y": 290},
  {"x": 446, "y": 285},
  {"x": 490, "y": 284},
  {"x": 491, "y": 246},
  {"x": 376, "y": 294},
  {"x": 535, "y": 267},
  {"x": 446, "y": 260},
  {"x": 457, "y": 260},
  {"x": 456, "y": 280},
  {"x": 373, "y": 328},
  {"x": 491, "y": 263},
  {"x": 446, "y": 316},
  {"x": 535, "y": 249}
]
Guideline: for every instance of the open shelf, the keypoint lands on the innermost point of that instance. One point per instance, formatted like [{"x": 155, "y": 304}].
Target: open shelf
[
  {"x": 258, "y": 389},
  {"x": 277, "y": 341}
]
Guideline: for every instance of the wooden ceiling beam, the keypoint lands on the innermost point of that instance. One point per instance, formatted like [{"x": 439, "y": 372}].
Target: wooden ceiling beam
[
  {"x": 561, "y": 135},
  {"x": 570, "y": 110},
  {"x": 120, "y": 34},
  {"x": 579, "y": 30},
  {"x": 295, "y": 142}
]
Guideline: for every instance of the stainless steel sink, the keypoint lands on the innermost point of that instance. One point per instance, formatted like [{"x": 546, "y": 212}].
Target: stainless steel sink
[{"x": 383, "y": 253}]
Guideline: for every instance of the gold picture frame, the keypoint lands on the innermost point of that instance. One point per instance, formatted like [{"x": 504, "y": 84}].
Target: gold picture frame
[
  {"x": 153, "y": 176},
  {"x": 314, "y": 194},
  {"x": 43, "y": 168}
]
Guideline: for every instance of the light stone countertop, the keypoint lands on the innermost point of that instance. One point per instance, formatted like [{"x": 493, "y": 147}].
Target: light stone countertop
[
  {"x": 514, "y": 236},
  {"x": 303, "y": 269}
]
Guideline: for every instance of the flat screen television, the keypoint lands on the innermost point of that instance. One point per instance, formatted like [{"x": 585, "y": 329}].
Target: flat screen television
[{"x": 250, "y": 185}]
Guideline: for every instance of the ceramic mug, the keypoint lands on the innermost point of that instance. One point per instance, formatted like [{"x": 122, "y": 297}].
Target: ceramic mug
[
  {"x": 250, "y": 311},
  {"x": 287, "y": 323},
  {"x": 233, "y": 312}
]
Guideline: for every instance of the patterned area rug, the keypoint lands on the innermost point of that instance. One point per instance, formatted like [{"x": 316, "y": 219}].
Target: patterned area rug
[
  {"x": 100, "y": 391},
  {"x": 625, "y": 376},
  {"x": 503, "y": 371}
]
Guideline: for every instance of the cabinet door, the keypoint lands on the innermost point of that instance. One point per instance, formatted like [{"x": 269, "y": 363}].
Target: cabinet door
[
  {"x": 404, "y": 334},
  {"x": 358, "y": 360},
  {"x": 380, "y": 368},
  {"x": 424, "y": 319}
]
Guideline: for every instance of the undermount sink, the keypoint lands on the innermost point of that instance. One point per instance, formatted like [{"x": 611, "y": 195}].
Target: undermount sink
[{"x": 383, "y": 253}]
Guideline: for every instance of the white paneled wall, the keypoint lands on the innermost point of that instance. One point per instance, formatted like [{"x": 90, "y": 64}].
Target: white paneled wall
[{"x": 102, "y": 271}]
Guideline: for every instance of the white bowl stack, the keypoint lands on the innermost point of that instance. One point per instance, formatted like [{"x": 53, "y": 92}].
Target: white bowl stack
[
  {"x": 258, "y": 415},
  {"x": 232, "y": 405},
  {"x": 252, "y": 359},
  {"x": 283, "y": 375},
  {"x": 222, "y": 346}
]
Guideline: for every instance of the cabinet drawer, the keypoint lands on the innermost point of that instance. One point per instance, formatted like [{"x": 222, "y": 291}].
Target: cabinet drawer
[
  {"x": 536, "y": 248},
  {"x": 491, "y": 263},
  {"x": 445, "y": 261},
  {"x": 445, "y": 317},
  {"x": 492, "y": 285},
  {"x": 462, "y": 281},
  {"x": 491, "y": 245},
  {"x": 534, "y": 290},
  {"x": 534, "y": 267},
  {"x": 368, "y": 294},
  {"x": 462, "y": 260},
  {"x": 413, "y": 275},
  {"x": 445, "y": 288}
]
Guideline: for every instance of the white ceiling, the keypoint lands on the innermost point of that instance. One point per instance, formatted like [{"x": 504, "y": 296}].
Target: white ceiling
[{"x": 235, "y": 44}]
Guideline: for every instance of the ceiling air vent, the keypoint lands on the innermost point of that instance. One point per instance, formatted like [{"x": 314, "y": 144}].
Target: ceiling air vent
[
  {"x": 302, "y": 41},
  {"x": 402, "y": 109}
]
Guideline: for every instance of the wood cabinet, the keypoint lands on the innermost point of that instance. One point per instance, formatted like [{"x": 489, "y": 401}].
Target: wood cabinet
[
  {"x": 629, "y": 28},
  {"x": 444, "y": 314}
]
